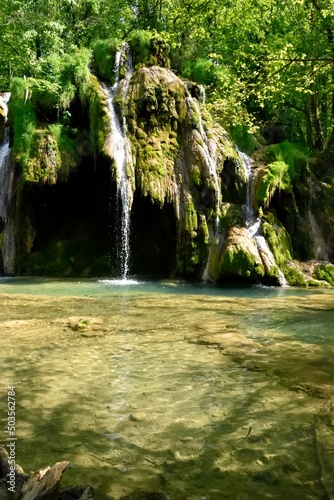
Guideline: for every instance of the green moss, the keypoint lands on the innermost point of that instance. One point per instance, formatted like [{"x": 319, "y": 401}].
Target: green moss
[
  {"x": 239, "y": 262},
  {"x": 196, "y": 180},
  {"x": 41, "y": 152},
  {"x": 317, "y": 283},
  {"x": 45, "y": 160},
  {"x": 149, "y": 49},
  {"x": 66, "y": 147},
  {"x": 278, "y": 239},
  {"x": 245, "y": 141},
  {"x": 104, "y": 52},
  {"x": 98, "y": 115},
  {"x": 153, "y": 104},
  {"x": 23, "y": 117},
  {"x": 60, "y": 79},
  {"x": 83, "y": 324},
  {"x": 231, "y": 215},
  {"x": 325, "y": 272},
  {"x": 294, "y": 155},
  {"x": 276, "y": 176},
  {"x": 294, "y": 276},
  {"x": 191, "y": 222}
]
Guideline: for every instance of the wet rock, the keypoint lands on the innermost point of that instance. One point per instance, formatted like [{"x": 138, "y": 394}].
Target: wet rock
[
  {"x": 230, "y": 342},
  {"x": 240, "y": 256},
  {"x": 139, "y": 416}
]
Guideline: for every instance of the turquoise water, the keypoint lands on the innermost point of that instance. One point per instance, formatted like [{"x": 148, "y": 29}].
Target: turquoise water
[{"x": 196, "y": 390}]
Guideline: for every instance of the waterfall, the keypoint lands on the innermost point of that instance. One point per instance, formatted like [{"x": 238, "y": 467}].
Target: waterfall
[
  {"x": 202, "y": 95},
  {"x": 209, "y": 161},
  {"x": 254, "y": 225},
  {"x": 119, "y": 149},
  {"x": 6, "y": 189},
  {"x": 6, "y": 176}
]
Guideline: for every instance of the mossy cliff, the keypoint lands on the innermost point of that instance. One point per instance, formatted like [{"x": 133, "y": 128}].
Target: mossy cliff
[{"x": 187, "y": 178}]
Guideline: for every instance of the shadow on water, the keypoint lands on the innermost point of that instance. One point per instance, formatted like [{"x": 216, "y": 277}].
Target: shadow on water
[
  {"x": 134, "y": 406},
  {"x": 243, "y": 450}
]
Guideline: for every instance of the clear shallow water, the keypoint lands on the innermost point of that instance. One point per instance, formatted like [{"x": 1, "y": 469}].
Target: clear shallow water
[{"x": 196, "y": 390}]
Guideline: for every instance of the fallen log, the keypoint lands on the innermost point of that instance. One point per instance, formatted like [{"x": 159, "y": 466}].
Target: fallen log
[{"x": 43, "y": 484}]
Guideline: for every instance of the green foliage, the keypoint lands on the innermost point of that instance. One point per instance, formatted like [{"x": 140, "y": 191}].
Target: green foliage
[
  {"x": 149, "y": 49},
  {"x": 202, "y": 71},
  {"x": 104, "y": 52},
  {"x": 140, "y": 43},
  {"x": 265, "y": 60},
  {"x": 64, "y": 79},
  {"x": 276, "y": 176},
  {"x": 60, "y": 79},
  {"x": 294, "y": 155},
  {"x": 98, "y": 114},
  {"x": 23, "y": 117},
  {"x": 245, "y": 141},
  {"x": 325, "y": 272}
]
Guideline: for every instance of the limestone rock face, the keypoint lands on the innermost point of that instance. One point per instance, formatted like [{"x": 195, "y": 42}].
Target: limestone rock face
[
  {"x": 179, "y": 163},
  {"x": 178, "y": 154}
]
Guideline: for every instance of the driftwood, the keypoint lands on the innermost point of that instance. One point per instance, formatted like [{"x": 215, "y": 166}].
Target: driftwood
[{"x": 43, "y": 484}]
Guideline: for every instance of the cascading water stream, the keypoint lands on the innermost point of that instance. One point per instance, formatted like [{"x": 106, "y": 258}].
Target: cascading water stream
[
  {"x": 210, "y": 163},
  {"x": 6, "y": 176},
  {"x": 119, "y": 149},
  {"x": 6, "y": 189},
  {"x": 212, "y": 170},
  {"x": 254, "y": 224}
]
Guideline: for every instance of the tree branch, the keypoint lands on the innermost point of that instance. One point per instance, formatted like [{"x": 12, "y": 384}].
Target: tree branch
[{"x": 307, "y": 59}]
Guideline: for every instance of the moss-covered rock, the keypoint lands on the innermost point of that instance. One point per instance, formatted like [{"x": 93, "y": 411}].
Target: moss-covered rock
[
  {"x": 294, "y": 275},
  {"x": 240, "y": 257},
  {"x": 155, "y": 108},
  {"x": 317, "y": 283},
  {"x": 325, "y": 272},
  {"x": 149, "y": 49},
  {"x": 178, "y": 157},
  {"x": 232, "y": 215},
  {"x": 278, "y": 239},
  {"x": 45, "y": 160},
  {"x": 98, "y": 116},
  {"x": 274, "y": 177}
]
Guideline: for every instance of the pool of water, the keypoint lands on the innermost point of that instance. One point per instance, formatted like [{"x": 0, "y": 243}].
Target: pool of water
[{"x": 196, "y": 390}]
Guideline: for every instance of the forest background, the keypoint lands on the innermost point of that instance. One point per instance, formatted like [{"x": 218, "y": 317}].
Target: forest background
[{"x": 267, "y": 66}]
